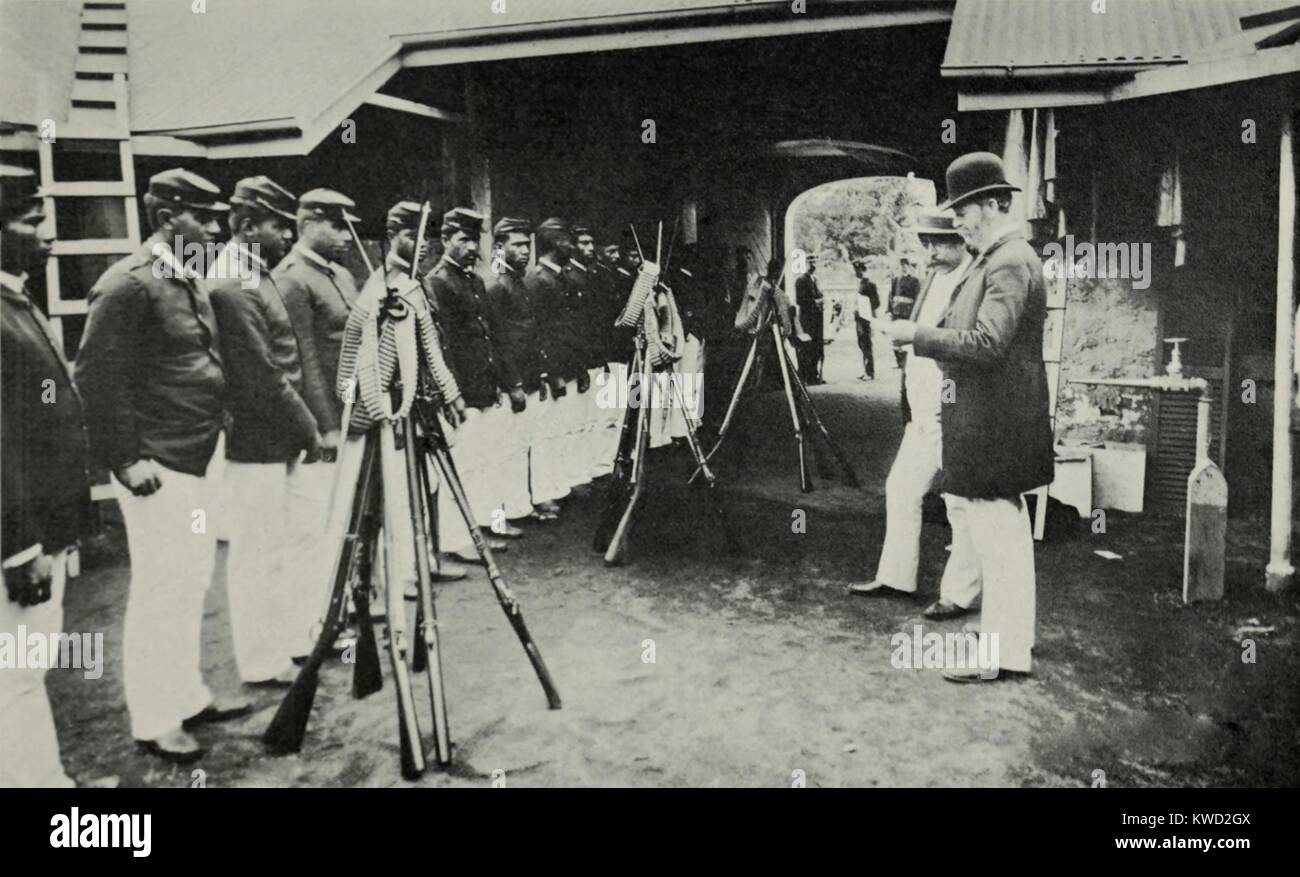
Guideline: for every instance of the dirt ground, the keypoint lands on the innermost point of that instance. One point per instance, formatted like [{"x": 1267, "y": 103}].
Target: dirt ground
[{"x": 764, "y": 672}]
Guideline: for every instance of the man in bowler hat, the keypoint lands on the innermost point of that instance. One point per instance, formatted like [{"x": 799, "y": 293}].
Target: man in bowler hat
[{"x": 997, "y": 437}]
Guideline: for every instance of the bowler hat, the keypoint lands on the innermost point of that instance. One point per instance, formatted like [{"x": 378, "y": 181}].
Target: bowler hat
[
  {"x": 974, "y": 174},
  {"x": 181, "y": 188},
  {"x": 266, "y": 193}
]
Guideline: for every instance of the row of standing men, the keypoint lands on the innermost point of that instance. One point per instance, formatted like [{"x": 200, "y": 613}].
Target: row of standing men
[{"x": 181, "y": 348}]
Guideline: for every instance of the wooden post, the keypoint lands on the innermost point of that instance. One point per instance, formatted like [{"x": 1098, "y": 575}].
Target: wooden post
[{"x": 1280, "y": 572}]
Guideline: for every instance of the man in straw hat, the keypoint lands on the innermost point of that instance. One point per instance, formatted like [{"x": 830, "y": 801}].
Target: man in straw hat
[
  {"x": 997, "y": 436},
  {"x": 918, "y": 462}
]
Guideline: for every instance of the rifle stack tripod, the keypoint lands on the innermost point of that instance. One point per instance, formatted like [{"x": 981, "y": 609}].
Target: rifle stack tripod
[
  {"x": 392, "y": 490},
  {"x": 649, "y": 354},
  {"x": 803, "y": 413}
]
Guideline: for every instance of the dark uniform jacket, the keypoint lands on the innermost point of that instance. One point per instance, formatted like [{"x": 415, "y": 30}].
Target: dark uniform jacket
[
  {"x": 318, "y": 295},
  {"x": 582, "y": 300},
  {"x": 611, "y": 291},
  {"x": 997, "y": 435},
  {"x": 903, "y": 292},
  {"x": 43, "y": 451},
  {"x": 521, "y": 344},
  {"x": 150, "y": 369},
  {"x": 808, "y": 296},
  {"x": 269, "y": 419},
  {"x": 470, "y": 326},
  {"x": 547, "y": 287}
]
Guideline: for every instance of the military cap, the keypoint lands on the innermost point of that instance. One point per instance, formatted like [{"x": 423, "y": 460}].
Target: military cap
[
  {"x": 510, "y": 225},
  {"x": 328, "y": 204},
  {"x": 463, "y": 219},
  {"x": 581, "y": 228},
  {"x": 934, "y": 223},
  {"x": 554, "y": 225},
  {"x": 181, "y": 188},
  {"x": 18, "y": 190},
  {"x": 403, "y": 215},
  {"x": 266, "y": 193}
]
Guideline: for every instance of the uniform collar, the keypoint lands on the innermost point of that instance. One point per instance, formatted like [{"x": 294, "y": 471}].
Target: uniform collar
[
  {"x": 621, "y": 270},
  {"x": 452, "y": 263},
  {"x": 576, "y": 264},
  {"x": 315, "y": 259},
  {"x": 549, "y": 264}
]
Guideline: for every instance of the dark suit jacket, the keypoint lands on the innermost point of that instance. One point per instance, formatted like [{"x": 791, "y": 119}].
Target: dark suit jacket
[
  {"x": 45, "y": 488},
  {"x": 997, "y": 435}
]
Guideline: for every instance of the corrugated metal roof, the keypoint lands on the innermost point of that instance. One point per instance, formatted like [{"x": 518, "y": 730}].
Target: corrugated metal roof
[
  {"x": 38, "y": 51},
  {"x": 996, "y": 34},
  {"x": 245, "y": 61}
]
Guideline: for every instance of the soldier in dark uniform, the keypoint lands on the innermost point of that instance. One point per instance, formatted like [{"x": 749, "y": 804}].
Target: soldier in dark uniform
[
  {"x": 583, "y": 295},
  {"x": 808, "y": 298},
  {"x": 151, "y": 373},
  {"x": 45, "y": 493},
  {"x": 466, "y": 316},
  {"x": 524, "y": 350},
  {"x": 319, "y": 293},
  {"x": 271, "y": 437},
  {"x": 549, "y": 466}
]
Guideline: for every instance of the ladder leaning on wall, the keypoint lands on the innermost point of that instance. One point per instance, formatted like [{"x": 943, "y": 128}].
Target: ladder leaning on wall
[{"x": 97, "y": 122}]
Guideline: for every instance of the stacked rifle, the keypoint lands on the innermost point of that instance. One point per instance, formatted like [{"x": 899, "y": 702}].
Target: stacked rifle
[
  {"x": 652, "y": 312},
  {"x": 393, "y": 492}
]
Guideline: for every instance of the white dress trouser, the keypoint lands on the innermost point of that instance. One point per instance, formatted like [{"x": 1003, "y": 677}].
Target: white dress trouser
[
  {"x": 484, "y": 445},
  {"x": 610, "y": 389},
  {"x": 992, "y": 540},
  {"x": 547, "y": 454},
  {"x": 275, "y": 538},
  {"x": 29, "y": 744},
  {"x": 916, "y": 468},
  {"x": 172, "y": 553}
]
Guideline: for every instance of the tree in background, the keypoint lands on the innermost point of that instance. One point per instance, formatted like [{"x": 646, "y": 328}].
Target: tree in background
[{"x": 860, "y": 218}]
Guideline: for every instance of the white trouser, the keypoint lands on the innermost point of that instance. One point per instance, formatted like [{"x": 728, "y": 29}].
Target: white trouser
[
  {"x": 610, "y": 397},
  {"x": 29, "y": 744},
  {"x": 573, "y": 435},
  {"x": 311, "y": 544},
  {"x": 274, "y": 541},
  {"x": 483, "y": 447},
  {"x": 518, "y": 437},
  {"x": 992, "y": 540},
  {"x": 915, "y": 470},
  {"x": 546, "y": 454},
  {"x": 172, "y": 553}
]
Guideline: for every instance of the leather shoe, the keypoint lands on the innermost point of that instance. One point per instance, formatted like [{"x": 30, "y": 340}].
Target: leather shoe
[
  {"x": 449, "y": 570},
  {"x": 222, "y": 709},
  {"x": 942, "y": 610},
  {"x": 177, "y": 746},
  {"x": 878, "y": 589},
  {"x": 976, "y": 675},
  {"x": 507, "y": 531},
  {"x": 283, "y": 679}
]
